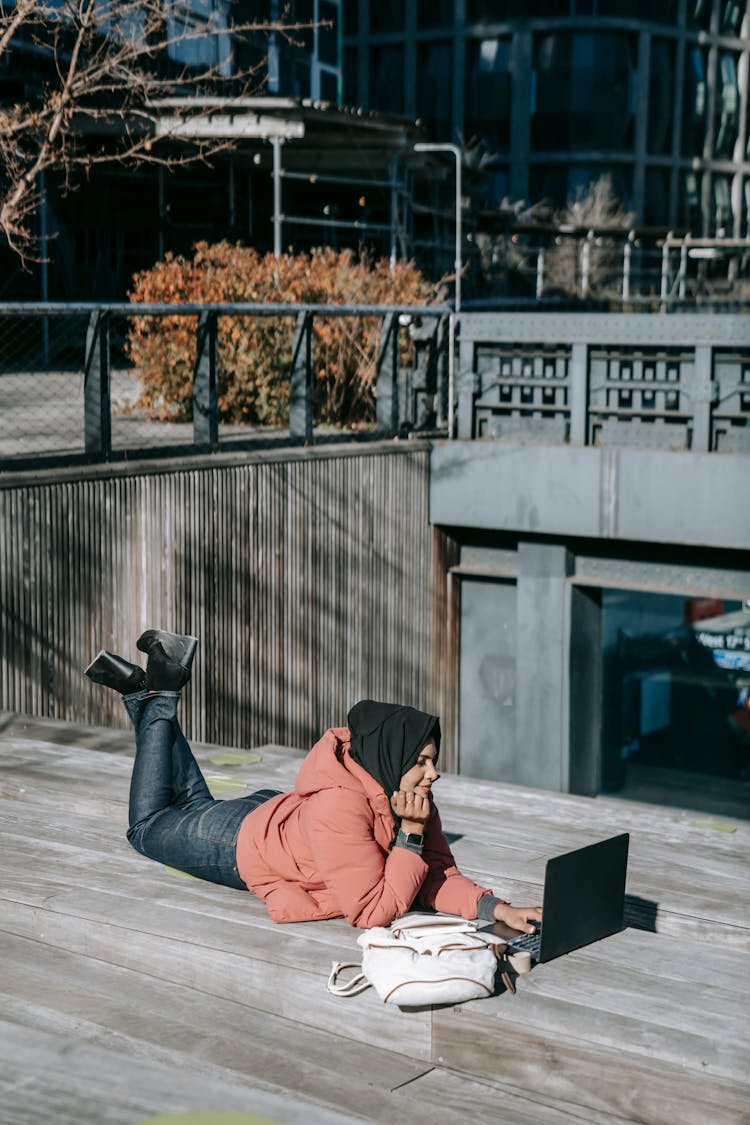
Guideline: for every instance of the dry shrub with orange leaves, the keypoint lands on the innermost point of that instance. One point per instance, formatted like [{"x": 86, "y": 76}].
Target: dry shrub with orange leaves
[{"x": 254, "y": 354}]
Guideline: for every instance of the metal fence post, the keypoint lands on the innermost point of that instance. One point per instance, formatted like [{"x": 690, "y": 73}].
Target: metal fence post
[
  {"x": 300, "y": 386},
  {"x": 579, "y": 379},
  {"x": 443, "y": 389},
  {"x": 420, "y": 403},
  {"x": 467, "y": 388},
  {"x": 96, "y": 394},
  {"x": 386, "y": 387},
  {"x": 702, "y": 399},
  {"x": 205, "y": 391}
]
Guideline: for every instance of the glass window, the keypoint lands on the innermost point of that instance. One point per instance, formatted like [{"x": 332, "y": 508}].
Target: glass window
[
  {"x": 351, "y": 16},
  {"x": 351, "y": 85},
  {"x": 304, "y": 12},
  {"x": 699, "y": 13},
  {"x": 387, "y": 15},
  {"x": 691, "y": 202},
  {"x": 731, "y": 16},
  {"x": 583, "y": 91},
  {"x": 655, "y": 205},
  {"x": 694, "y": 104},
  {"x": 661, "y": 95},
  {"x": 494, "y": 11},
  {"x": 656, "y": 11},
  {"x": 727, "y": 106},
  {"x": 387, "y": 79},
  {"x": 191, "y": 43},
  {"x": 672, "y": 699},
  {"x": 435, "y": 13},
  {"x": 722, "y": 206},
  {"x": 435, "y": 89},
  {"x": 488, "y": 93},
  {"x": 328, "y": 35},
  {"x": 329, "y": 86}
]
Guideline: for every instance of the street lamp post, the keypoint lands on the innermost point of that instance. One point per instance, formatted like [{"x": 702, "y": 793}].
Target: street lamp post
[{"x": 426, "y": 146}]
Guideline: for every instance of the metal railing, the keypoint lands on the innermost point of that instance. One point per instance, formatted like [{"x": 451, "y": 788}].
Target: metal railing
[
  {"x": 69, "y": 383},
  {"x": 69, "y": 388}
]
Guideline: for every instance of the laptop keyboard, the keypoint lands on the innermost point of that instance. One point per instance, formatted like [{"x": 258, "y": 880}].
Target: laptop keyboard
[{"x": 528, "y": 943}]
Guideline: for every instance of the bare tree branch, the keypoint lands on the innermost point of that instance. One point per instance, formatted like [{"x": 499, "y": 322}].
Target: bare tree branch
[{"x": 103, "y": 64}]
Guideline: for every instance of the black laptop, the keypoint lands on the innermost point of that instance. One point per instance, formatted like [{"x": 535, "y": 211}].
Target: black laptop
[{"x": 584, "y": 900}]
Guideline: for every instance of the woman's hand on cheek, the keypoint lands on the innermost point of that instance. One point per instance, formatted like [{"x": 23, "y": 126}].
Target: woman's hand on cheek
[{"x": 413, "y": 808}]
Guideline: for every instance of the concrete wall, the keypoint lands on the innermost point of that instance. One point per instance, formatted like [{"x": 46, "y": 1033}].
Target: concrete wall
[{"x": 651, "y": 496}]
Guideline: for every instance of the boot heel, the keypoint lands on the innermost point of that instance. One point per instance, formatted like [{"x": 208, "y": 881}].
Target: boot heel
[{"x": 114, "y": 672}]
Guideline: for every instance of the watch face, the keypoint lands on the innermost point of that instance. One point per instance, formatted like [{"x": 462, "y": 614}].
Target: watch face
[{"x": 415, "y": 838}]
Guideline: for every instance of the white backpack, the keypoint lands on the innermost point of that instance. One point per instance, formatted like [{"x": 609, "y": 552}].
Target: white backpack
[{"x": 425, "y": 959}]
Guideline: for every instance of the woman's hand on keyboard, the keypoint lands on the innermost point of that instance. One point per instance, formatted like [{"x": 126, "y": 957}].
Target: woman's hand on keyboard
[{"x": 518, "y": 917}]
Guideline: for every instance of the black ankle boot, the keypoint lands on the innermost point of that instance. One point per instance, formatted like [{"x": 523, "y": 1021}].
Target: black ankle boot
[
  {"x": 170, "y": 657},
  {"x": 114, "y": 672}
]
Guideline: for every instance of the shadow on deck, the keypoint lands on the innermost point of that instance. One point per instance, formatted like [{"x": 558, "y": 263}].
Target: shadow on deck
[{"x": 128, "y": 990}]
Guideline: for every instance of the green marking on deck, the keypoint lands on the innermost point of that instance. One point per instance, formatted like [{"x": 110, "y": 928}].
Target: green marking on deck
[
  {"x": 182, "y": 874},
  {"x": 714, "y": 825},
  {"x": 236, "y": 759}
]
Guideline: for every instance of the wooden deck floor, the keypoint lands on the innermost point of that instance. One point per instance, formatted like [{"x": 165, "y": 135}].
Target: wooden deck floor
[{"x": 128, "y": 991}]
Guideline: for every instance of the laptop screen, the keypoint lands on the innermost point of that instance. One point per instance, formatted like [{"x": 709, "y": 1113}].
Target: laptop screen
[{"x": 584, "y": 896}]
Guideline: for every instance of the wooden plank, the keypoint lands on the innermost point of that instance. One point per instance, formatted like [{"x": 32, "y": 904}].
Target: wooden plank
[
  {"x": 605, "y": 1078},
  {"x": 46, "y": 987},
  {"x": 282, "y": 978},
  {"x": 492, "y": 1102},
  {"x": 622, "y": 1022},
  {"x": 47, "y": 1077}
]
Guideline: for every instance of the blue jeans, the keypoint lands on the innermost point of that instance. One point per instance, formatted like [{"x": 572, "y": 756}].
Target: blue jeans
[{"x": 173, "y": 817}]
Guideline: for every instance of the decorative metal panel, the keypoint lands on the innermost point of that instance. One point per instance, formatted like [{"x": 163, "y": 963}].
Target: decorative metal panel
[
  {"x": 641, "y": 396},
  {"x": 524, "y": 391}
]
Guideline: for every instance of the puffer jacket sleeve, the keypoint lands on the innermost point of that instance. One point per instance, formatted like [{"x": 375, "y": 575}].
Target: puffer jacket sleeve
[
  {"x": 286, "y": 902},
  {"x": 370, "y": 888},
  {"x": 445, "y": 888}
]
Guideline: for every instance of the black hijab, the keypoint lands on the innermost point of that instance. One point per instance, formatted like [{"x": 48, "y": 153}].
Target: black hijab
[{"x": 387, "y": 740}]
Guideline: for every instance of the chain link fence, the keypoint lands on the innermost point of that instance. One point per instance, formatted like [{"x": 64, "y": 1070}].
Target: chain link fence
[{"x": 100, "y": 382}]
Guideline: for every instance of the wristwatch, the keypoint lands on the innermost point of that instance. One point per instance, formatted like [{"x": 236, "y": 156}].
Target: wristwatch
[{"x": 411, "y": 839}]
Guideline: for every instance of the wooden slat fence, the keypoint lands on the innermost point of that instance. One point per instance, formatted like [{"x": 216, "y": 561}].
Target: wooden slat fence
[{"x": 312, "y": 578}]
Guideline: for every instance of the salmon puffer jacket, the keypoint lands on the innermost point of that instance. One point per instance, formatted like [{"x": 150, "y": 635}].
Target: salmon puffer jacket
[{"x": 324, "y": 851}]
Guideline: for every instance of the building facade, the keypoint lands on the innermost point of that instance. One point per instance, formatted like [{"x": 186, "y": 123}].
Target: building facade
[{"x": 553, "y": 93}]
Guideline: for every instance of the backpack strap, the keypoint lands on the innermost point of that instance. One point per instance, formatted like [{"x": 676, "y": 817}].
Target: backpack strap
[{"x": 357, "y": 984}]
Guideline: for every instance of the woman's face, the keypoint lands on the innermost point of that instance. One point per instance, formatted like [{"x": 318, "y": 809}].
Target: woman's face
[{"x": 422, "y": 776}]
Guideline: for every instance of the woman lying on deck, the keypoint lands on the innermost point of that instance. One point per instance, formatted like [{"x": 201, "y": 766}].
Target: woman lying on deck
[{"x": 359, "y": 838}]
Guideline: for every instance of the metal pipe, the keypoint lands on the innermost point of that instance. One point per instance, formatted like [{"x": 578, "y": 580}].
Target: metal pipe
[
  {"x": 664, "y": 288},
  {"x": 586, "y": 264},
  {"x": 349, "y": 224},
  {"x": 357, "y": 181},
  {"x": 394, "y": 213},
  {"x": 276, "y": 143},
  {"x": 228, "y": 308},
  {"x": 44, "y": 258},
  {"x": 683, "y": 267}
]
